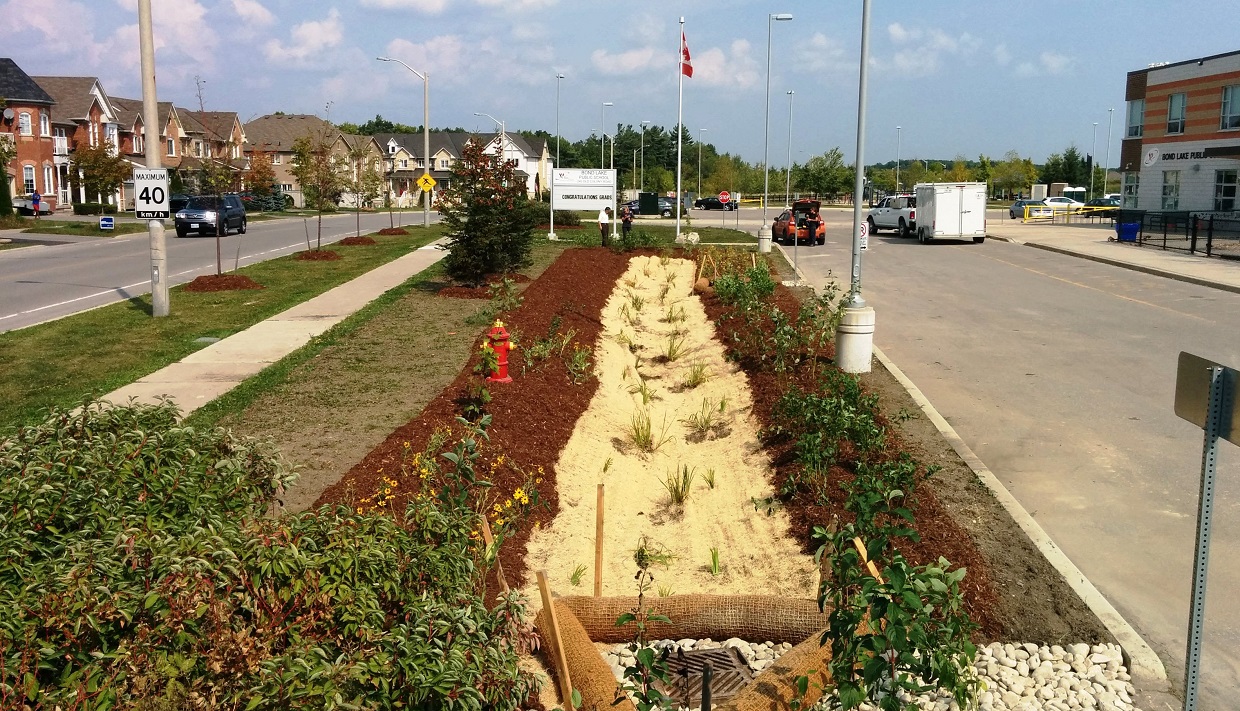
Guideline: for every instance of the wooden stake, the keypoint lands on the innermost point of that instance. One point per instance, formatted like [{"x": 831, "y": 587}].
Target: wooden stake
[
  {"x": 869, "y": 564},
  {"x": 499, "y": 567},
  {"x": 561, "y": 662},
  {"x": 598, "y": 545}
]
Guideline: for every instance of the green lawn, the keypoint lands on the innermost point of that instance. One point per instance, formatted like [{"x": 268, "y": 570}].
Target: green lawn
[
  {"x": 97, "y": 351},
  {"x": 84, "y": 229}
]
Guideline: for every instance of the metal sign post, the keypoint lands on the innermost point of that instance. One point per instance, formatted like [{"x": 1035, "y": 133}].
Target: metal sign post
[{"x": 1204, "y": 395}]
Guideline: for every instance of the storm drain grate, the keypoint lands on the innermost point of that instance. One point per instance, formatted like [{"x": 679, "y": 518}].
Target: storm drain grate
[{"x": 729, "y": 674}]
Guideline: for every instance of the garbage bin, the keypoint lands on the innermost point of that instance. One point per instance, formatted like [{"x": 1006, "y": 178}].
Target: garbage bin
[{"x": 1127, "y": 231}]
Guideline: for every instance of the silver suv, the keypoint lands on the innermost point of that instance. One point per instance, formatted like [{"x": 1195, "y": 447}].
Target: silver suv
[{"x": 205, "y": 214}]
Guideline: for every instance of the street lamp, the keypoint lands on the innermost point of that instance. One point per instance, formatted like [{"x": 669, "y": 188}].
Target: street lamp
[
  {"x": 551, "y": 186},
  {"x": 643, "y": 177},
  {"x": 558, "y": 77},
  {"x": 426, "y": 133},
  {"x": 897, "y": 159},
  {"x": 1093, "y": 144},
  {"x": 1106, "y": 169},
  {"x": 700, "y": 161},
  {"x": 603, "y": 130},
  {"x": 788, "y": 170},
  {"x": 503, "y": 135},
  {"x": 765, "y": 230}
]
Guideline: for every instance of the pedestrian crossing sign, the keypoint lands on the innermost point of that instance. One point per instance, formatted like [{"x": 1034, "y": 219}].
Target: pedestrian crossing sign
[{"x": 426, "y": 182}]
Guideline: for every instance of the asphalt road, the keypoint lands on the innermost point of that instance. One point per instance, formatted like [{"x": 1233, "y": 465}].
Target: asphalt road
[
  {"x": 1059, "y": 373},
  {"x": 46, "y": 282}
]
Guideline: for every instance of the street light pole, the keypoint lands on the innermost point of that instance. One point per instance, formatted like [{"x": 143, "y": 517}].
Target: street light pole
[
  {"x": 558, "y": 77},
  {"x": 700, "y": 161},
  {"x": 603, "y": 130},
  {"x": 150, "y": 127},
  {"x": 764, "y": 232},
  {"x": 426, "y": 133},
  {"x": 788, "y": 170},
  {"x": 551, "y": 183},
  {"x": 642, "y": 187},
  {"x": 1093, "y": 144},
  {"x": 1106, "y": 169},
  {"x": 897, "y": 159},
  {"x": 854, "y": 337},
  {"x": 503, "y": 135}
]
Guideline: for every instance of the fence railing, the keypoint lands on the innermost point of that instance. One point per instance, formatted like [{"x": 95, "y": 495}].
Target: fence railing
[{"x": 1208, "y": 233}]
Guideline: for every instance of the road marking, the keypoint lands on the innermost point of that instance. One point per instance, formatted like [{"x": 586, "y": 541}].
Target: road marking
[
  {"x": 70, "y": 301},
  {"x": 1094, "y": 288}
]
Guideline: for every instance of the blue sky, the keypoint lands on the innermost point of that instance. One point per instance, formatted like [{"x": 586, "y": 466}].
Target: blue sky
[{"x": 959, "y": 77}]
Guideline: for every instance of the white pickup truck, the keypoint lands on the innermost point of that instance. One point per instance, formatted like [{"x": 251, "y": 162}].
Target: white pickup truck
[{"x": 895, "y": 212}]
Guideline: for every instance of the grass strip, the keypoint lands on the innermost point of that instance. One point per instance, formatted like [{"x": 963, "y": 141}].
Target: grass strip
[
  {"x": 97, "y": 351},
  {"x": 85, "y": 229}
]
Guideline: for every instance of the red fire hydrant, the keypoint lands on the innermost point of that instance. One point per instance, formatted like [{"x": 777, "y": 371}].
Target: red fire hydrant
[{"x": 498, "y": 336}]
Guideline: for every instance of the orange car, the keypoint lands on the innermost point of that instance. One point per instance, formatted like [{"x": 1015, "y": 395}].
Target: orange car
[{"x": 790, "y": 225}]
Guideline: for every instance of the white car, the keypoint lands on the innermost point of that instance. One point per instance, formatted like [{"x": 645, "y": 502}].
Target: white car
[
  {"x": 25, "y": 206},
  {"x": 1063, "y": 203}
]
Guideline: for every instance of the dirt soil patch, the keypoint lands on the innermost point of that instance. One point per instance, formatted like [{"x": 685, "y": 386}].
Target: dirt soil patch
[
  {"x": 222, "y": 282},
  {"x": 317, "y": 255}
]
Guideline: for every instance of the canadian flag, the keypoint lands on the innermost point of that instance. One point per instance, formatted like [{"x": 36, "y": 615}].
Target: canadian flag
[{"x": 686, "y": 66}]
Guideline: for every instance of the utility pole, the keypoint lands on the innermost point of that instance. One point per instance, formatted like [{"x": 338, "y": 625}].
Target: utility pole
[{"x": 150, "y": 128}]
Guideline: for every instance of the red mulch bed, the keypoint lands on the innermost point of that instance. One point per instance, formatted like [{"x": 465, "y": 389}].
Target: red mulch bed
[
  {"x": 393, "y": 231},
  {"x": 318, "y": 255},
  {"x": 222, "y": 282},
  {"x": 356, "y": 241},
  {"x": 533, "y": 416},
  {"x": 940, "y": 534},
  {"x": 481, "y": 292}
]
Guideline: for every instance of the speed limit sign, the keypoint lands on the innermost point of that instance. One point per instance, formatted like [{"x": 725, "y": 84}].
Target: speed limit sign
[{"x": 150, "y": 190}]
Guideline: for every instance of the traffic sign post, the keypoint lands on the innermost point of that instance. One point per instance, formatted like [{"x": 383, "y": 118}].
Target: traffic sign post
[
  {"x": 1205, "y": 395},
  {"x": 150, "y": 189},
  {"x": 426, "y": 182},
  {"x": 865, "y": 237}
]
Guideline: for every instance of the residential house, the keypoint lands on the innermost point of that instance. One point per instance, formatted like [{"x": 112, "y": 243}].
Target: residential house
[
  {"x": 27, "y": 122},
  {"x": 211, "y": 136},
  {"x": 172, "y": 134},
  {"x": 363, "y": 153},
  {"x": 405, "y": 165},
  {"x": 275, "y": 135},
  {"x": 84, "y": 116}
]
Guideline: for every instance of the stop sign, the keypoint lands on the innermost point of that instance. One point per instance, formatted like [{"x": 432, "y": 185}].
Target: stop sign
[{"x": 724, "y": 196}]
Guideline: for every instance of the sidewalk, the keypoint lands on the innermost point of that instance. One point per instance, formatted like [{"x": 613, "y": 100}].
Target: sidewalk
[
  {"x": 206, "y": 374},
  {"x": 1096, "y": 242}
]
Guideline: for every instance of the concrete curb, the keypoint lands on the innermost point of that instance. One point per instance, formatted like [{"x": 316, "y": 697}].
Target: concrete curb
[
  {"x": 1138, "y": 268},
  {"x": 1140, "y": 658}
]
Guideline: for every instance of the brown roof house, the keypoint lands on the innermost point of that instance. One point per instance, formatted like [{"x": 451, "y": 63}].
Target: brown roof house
[
  {"x": 26, "y": 122},
  {"x": 84, "y": 116},
  {"x": 275, "y": 135}
]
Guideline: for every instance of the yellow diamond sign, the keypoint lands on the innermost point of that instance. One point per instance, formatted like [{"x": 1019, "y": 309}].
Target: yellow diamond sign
[{"x": 426, "y": 182}]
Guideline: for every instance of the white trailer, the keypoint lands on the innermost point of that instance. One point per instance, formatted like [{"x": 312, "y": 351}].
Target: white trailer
[{"x": 951, "y": 211}]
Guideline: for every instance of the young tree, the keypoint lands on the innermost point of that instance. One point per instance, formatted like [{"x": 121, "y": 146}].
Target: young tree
[
  {"x": 825, "y": 175},
  {"x": 320, "y": 173},
  {"x": 365, "y": 180},
  {"x": 101, "y": 173},
  {"x": 488, "y": 217}
]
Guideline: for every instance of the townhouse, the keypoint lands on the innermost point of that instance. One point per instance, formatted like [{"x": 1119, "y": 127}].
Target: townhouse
[
  {"x": 405, "y": 164},
  {"x": 26, "y": 123}
]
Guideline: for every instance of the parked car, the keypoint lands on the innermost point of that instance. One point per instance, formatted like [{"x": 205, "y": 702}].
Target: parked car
[
  {"x": 1101, "y": 207},
  {"x": 25, "y": 206},
  {"x": 790, "y": 225},
  {"x": 1034, "y": 208},
  {"x": 1063, "y": 203},
  {"x": 666, "y": 207},
  {"x": 713, "y": 203},
  {"x": 202, "y": 215},
  {"x": 895, "y": 212}
]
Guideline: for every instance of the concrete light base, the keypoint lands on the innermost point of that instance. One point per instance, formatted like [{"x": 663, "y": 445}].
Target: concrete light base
[
  {"x": 764, "y": 239},
  {"x": 854, "y": 340},
  {"x": 551, "y": 236}
]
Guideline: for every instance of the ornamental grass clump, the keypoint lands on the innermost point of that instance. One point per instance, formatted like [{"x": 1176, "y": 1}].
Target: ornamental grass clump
[
  {"x": 679, "y": 483},
  {"x": 145, "y": 566}
]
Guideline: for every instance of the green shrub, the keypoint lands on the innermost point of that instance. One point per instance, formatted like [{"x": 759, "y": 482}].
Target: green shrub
[
  {"x": 567, "y": 218},
  {"x": 635, "y": 239},
  {"x": 87, "y": 208},
  {"x": 143, "y": 569}
]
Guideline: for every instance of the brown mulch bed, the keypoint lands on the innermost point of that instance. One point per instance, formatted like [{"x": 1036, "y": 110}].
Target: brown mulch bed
[
  {"x": 393, "y": 231},
  {"x": 318, "y": 255},
  {"x": 357, "y": 241},
  {"x": 533, "y": 416},
  {"x": 481, "y": 292},
  {"x": 222, "y": 282}
]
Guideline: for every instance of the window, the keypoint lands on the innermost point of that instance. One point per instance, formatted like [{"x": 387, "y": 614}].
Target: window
[
  {"x": 1132, "y": 181},
  {"x": 276, "y": 159},
  {"x": 443, "y": 163},
  {"x": 28, "y": 177},
  {"x": 137, "y": 143},
  {"x": 49, "y": 187},
  {"x": 172, "y": 147},
  {"x": 1231, "y": 107},
  {"x": 23, "y": 123},
  {"x": 197, "y": 149},
  {"x": 1175, "y": 112},
  {"x": 286, "y": 187},
  {"x": 1225, "y": 190},
  {"x": 45, "y": 124},
  {"x": 60, "y": 142},
  {"x": 1136, "y": 118},
  {"x": 420, "y": 163},
  {"x": 1171, "y": 190},
  {"x": 404, "y": 163}
]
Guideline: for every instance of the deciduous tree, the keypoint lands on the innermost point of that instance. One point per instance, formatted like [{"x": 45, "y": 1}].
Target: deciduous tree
[
  {"x": 100, "y": 172},
  {"x": 320, "y": 171}
]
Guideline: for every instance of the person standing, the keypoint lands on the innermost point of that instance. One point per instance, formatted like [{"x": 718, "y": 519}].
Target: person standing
[
  {"x": 812, "y": 220},
  {"x": 604, "y": 224},
  {"x": 35, "y": 199},
  {"x": 626, "y": 220}
]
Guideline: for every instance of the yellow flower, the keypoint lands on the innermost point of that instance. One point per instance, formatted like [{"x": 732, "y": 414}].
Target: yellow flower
[
  {"x": 387, "y": 491},
  {"x": 499, "y": 522},
  {"x": 359, "y": 509},
  {"x": 499, "y": 324}
]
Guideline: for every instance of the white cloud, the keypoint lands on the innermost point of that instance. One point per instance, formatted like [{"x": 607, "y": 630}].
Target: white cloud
[
  {"x": 736, "y": 67},
  {"x": 900, "y": 35},
  {"x": 517, "y": 5},
  {"x": 530, "y": 31},
  {"x": 630, "y": 62},
  {"x": 426, "y": 7},
  {"x": 1002, "y": 56},
  {"x": 1055, "y": 63},
  {"x": 922, "y": 50},
  {"x": 822, "y": 54},
  {"x": 253, "y": 12},
  {"x": 307, "y": 40}
]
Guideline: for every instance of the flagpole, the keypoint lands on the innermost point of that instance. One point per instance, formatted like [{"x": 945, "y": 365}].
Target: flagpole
[{"x": 680, "y": 105}]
